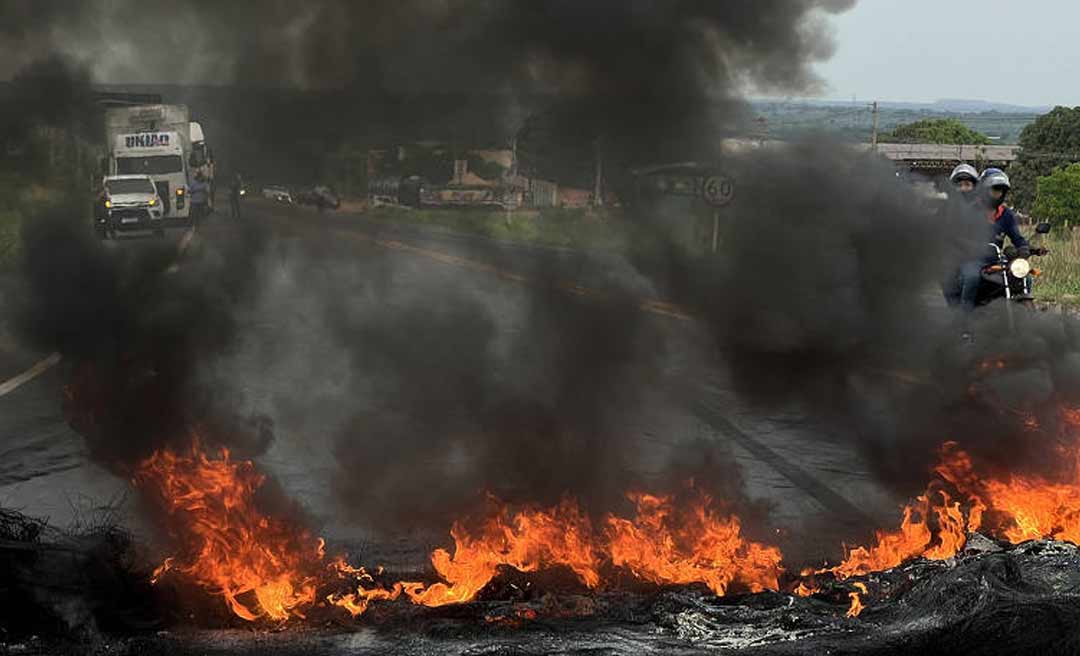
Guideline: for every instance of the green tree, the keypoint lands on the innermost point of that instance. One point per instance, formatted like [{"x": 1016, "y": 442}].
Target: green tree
[
  {"x": 936, "y": 131},
  {"x": 1057, "y": 198},
  {"x": 1051, "y": 142}
]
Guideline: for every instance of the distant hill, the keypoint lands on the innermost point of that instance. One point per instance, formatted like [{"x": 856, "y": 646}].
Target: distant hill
[
  {"x": 945, "y": 105},
  {"x": 977, "y": 106}
]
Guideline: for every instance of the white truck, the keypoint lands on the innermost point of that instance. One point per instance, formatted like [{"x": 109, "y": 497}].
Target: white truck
[{"x": 157, "y": 140}]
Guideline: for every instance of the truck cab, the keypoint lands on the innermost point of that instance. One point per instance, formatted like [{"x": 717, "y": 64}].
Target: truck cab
[
  {"x": 201, "y": 159},
  {"x": 128, "y": 202},
  {"x": 159, "y": 156}
]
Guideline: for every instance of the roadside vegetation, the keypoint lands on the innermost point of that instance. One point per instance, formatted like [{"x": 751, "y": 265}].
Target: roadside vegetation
[
  {"x": 1060, "y": 279},
  {"x": 1047, "y": 145},
  {"x": 936, "y": 131},
  {"x": 12, "y": 212}
]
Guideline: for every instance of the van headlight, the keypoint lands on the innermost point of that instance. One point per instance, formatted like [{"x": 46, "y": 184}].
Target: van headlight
[{"x": 1019, "y": 268}]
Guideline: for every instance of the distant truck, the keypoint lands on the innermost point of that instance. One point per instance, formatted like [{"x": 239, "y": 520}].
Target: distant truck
[{"x": 162, "y": 142}]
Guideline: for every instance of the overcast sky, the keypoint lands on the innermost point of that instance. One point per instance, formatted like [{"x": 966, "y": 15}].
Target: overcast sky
[{"x": 1023, "y": 53}]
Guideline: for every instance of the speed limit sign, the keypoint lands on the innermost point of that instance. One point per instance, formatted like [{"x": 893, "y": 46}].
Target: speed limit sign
[{"x": 718, "y": 190}]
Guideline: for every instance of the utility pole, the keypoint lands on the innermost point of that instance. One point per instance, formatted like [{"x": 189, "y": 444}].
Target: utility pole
[
  {"x": 598, "y": 187},
  {"x": 873, "y": 130}
]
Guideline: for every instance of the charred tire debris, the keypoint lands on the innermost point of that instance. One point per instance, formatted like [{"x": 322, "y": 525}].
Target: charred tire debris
[{"x": 86, "y": 594}]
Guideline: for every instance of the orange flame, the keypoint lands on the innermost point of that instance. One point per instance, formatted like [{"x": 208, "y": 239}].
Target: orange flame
[
  {"x": 661, "y": 545},
  {"x": 529, "y": 540},
  {"x": 932, "y": 527},
  {"x": 1033, "y": 507},
  {"x": 267, "y": 567},
  {"x": 227, "y": 545},
  {"x": 856, "y": 602},
  {"x": 1024, "y": 508},
  {"x": 666, "y": 546},
  {"x": 263, "y": 566}
]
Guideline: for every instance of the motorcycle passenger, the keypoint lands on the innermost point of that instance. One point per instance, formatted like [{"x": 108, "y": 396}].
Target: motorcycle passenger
[
  {"x": 961, "y": 214},
  {"x": 963, "y": 179}
]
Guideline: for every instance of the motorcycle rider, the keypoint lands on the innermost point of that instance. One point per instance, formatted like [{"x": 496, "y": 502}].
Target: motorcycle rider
[
  {"x": 988, "y": 208},
  {"x": 995, "y": 186}
]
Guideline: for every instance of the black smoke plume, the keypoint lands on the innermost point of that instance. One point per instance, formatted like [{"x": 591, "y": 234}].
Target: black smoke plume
[{"x": 134, "y": 333}]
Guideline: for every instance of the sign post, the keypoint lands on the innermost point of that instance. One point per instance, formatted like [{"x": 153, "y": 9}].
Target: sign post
[{"x": 717, "y": 190}]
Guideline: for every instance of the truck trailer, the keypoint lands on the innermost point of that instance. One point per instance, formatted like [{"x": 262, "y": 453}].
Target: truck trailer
[{"x": 157, "y": 140}]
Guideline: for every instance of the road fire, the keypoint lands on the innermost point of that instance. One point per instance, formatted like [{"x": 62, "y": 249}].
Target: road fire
[
  {"x": 668, "y": 545},
  {"x": 662, "y": 544},
  {"x": 1014, "y": 507},
  {"x": 528, "y": 540},
  {"x": 267, "y": 567},
  {"x": 1019, "y": 508},
  {"x": 263, "y": 566},
  {"x": 932, "y": 527}
]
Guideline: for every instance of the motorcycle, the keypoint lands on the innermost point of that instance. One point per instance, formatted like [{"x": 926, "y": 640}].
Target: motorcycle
[{"x": 1011, "y": 276}]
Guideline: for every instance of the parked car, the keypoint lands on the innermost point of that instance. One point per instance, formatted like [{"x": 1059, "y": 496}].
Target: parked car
[
  {"x": 320, "y": 196},
  {"x": 277, "y": 193}
]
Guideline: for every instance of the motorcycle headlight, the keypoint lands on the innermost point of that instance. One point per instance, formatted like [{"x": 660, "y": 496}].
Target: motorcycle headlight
[{"x": 1019, "y": 268}]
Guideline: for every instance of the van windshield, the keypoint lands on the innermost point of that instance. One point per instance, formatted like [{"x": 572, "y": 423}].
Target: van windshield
[
  {"x": 155, "y": 165},
  {"x": 132, "y": 186}
]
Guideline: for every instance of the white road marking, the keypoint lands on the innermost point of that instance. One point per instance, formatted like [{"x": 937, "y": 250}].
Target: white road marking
[
  {"x": 30, "y": 374},
  {"x": 53, "y": 359}
]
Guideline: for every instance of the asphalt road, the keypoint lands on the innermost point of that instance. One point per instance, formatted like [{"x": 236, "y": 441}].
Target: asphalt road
[{"x": 807, "y": 477}]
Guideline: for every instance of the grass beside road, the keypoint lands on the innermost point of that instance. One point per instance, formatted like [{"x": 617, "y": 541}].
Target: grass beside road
[
  {"x": 19, "y": 198},
  {"x": 12, "y": 211},
  {"x": 10, "y": 224},
  {"x": 580, "y": 229},
  {"x": 1060, "y": 280}
]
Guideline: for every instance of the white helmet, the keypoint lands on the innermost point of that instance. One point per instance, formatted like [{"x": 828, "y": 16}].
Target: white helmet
[{"x": 964, "y": 172}]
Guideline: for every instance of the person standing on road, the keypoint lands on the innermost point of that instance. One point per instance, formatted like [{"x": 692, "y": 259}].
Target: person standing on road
[
  {"x": 235, "y": 191},
  {"x": 200, "y": 198}
]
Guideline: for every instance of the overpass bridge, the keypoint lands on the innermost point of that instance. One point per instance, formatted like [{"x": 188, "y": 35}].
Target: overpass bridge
[{"x": 934, "y": 158}]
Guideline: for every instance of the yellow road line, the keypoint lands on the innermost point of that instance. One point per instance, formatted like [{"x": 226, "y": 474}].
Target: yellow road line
[{"x": 653, "y": 306}]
